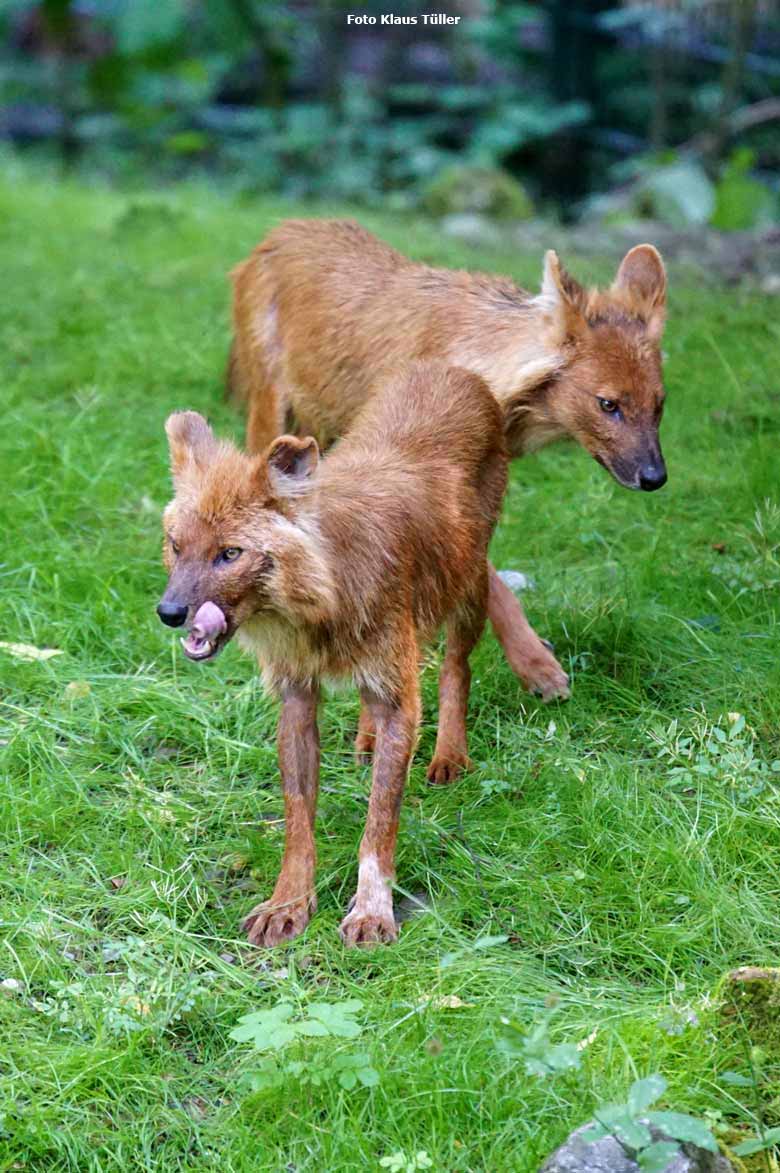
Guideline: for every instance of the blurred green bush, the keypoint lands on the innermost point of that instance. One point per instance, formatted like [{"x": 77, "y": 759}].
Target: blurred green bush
[{"x": 567, "y": 97}]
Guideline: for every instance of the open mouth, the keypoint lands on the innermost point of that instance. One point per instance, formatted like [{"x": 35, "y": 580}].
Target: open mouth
[
  {"x": 200, "y": 649},
  {"x": 207, "y": 636}
]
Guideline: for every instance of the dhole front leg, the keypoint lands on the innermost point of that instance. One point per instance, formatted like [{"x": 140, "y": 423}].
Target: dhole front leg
[
  {"x": 370, "y": 920},
  {"x": 451, "y": 757},
  {"x": 294, "y": 899},
  {"x": 529, "y": 658}
]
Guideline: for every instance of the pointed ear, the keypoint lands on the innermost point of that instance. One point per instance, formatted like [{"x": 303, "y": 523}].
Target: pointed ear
[
  {"x": 563, "y": 298},
  {"x": 641, "y": 285},
  {"x": 191, "y": 441},
  {"x": 291, "y": 462}
]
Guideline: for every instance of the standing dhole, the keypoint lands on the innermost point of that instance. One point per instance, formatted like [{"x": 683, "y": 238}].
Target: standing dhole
[
  {"x": 323, "y": 312},
  {"x": 343, "y": 571}
]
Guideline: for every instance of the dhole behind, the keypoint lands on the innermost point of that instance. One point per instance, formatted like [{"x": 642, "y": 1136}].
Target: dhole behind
[{"x": 323, "y": 312}]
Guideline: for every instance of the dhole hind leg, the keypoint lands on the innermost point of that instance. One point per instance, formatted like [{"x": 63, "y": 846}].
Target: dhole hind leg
[
  {"x": 370, "y": 920},
  {"x": 529, "y": 657},
  {"x": 450, "y": 757},
  {"x": 366, "y": 736},
  {"x": 294, "y": 900}
]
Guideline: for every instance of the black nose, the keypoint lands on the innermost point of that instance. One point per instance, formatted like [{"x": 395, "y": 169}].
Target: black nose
[
  {"x": 172, "y": 613},
  {"x": 651, "y": 477}
]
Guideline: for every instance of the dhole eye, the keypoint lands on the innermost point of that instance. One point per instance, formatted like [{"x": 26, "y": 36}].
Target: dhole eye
[
  {"x": 230, "y": 554},
  {"x": 610, "y": 406},
  {"x": 174, "y": 545}
]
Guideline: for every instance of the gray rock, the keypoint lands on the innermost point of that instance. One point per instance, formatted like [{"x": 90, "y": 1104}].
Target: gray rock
[
  {"x": 412, "y": 905},
  {"x": 473, "y": 229},
  {"x": 608, "y": 1156},
  {"x": 516, "y": 580}
]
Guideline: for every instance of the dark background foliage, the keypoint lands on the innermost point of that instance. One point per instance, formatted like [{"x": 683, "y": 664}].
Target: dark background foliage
[{"x": 569, "y": 98}]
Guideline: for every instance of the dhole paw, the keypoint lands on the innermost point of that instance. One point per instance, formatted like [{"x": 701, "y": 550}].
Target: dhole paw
[
  {"x": 365, "y": 930},
  {"x": 446, "y": 768},
  {"x": 545, "y": 678},
  {"x": 270, "y": 924}
]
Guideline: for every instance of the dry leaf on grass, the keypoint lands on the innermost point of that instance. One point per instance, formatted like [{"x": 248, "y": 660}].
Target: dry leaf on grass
[
  {"x": 446, "y": 1002},
  {"x": 29, "y": 651}
]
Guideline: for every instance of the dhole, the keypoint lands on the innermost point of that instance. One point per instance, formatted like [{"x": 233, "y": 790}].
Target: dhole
[
  {"x": 343, "y": 571},
  {"x": 323, "y": 312}
]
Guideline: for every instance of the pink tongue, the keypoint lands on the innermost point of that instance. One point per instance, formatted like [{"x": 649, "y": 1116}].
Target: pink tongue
[{"x": 209, "y": 622}]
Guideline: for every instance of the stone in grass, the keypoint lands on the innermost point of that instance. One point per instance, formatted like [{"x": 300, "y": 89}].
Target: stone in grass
[
  {"x": 607, "y": 1155},
  {"x": 516, "y": 580},
  {"x": 472, "y": 229},
  {"x": 412, "y": 905},
  {"x": 750, "y": 999}
]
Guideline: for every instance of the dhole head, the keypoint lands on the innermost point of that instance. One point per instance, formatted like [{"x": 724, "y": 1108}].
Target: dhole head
[
  {"x": 233, "y": 547},
  {"x": 610, "y": 394}
]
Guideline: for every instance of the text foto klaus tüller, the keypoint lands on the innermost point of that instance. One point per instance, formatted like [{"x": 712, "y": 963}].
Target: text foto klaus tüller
[{"x": 391, "y": 18}]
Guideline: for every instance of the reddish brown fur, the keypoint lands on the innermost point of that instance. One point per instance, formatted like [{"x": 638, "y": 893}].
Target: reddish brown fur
[
  {"x": 345, "y": 574},
  {"x": 324, "y": 313}
]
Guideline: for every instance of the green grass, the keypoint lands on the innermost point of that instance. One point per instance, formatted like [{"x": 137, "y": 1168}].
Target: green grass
[{"x": 624, "y": 889}]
